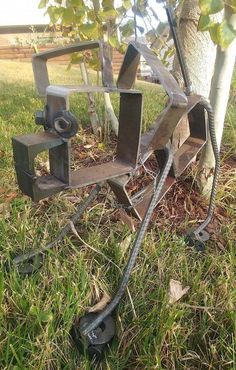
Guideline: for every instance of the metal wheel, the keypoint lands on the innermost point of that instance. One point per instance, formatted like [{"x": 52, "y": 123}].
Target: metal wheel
[{"x": 96, "y": 342}]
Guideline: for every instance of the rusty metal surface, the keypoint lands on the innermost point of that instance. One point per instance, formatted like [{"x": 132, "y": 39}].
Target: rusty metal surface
[
  {"x": 99, "y": 173},
  {"x": 25, "y": 150},
  {"x": 129, "y": 68},
  {"x": 130, "y": 121},
  {"x": 152, "y": 141},
  {"x": 40, "y": 70},
  {"x": 133, "y": 149}
]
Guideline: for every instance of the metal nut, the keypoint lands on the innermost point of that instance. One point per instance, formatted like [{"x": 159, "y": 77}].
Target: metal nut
[{"x": 61, "y": 124}]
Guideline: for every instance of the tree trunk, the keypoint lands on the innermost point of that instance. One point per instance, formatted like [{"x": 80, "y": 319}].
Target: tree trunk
[
  {"x": 91, "y": 103},
  {"x": 110, "y": 114},
  {"x": 199, "y": 53},
  {"x": 220, "y": 88}
]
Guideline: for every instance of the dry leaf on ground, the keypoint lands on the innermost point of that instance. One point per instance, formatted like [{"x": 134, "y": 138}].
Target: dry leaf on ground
[
  {"x": 176, "y": 291},
  {"x": 11, "y": 196},
  {"x": 122, "y": 215},
  {"x": 101, "y": 304}
]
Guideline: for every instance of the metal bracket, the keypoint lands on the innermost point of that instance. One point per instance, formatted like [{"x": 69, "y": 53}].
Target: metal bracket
[
  {"x": 25, "y": 150},
  {"x": 40, "y": 70}
]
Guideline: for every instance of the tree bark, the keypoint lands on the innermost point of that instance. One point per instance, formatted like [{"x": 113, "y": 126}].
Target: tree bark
[
  {"x": 199, "y": 53},
  {"x": 220, "y": 88},
  {"x": 111, "y": 114}
]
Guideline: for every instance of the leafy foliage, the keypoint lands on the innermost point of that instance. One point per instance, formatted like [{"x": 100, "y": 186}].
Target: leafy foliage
[
  {"x": 88, "y": 20},
  {"x": 83, "y": 20},
  {"x": 224, "y": 32},
  {"x": 211, "y": 6}
]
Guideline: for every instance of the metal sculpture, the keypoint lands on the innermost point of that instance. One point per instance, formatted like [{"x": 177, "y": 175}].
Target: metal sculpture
[{"x": 95, "y": 331}]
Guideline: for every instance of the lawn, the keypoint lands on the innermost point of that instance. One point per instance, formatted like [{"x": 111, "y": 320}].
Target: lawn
[{"x": 36, "y": 312}]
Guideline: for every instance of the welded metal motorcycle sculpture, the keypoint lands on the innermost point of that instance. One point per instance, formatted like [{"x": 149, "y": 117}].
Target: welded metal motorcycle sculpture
[{"x": 95, "y": 331}]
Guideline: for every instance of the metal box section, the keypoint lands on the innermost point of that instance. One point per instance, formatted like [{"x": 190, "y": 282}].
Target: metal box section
[{"x": 133, "y": 149}]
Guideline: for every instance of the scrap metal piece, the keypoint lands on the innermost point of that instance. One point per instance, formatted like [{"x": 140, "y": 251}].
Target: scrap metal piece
[
  {"x": 197, "y": 240},
  {"x": 65, "y": 124},
  {"x": 96, "y": 342},
  {"x": 133, "y": 149},
  {"x": 25, "y": 150},
  {"x": 40, "y": 70},
  {"x": 61, "y": 175},
  {"x": 154, "y": 138},
  {"x": 128, "y": 72},
  {"x": 95, "y": 331}
]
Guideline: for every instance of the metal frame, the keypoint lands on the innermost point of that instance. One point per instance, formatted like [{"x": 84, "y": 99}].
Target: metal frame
[
  {"x": 94, "y": 332},
  {"x": 133, "y": 149}
]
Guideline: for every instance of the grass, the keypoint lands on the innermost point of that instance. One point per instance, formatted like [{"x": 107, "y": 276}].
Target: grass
[{"x": 37, "y": 312}]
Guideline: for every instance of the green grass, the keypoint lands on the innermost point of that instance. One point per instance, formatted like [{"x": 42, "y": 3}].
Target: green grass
[{"x": 37, "y": 312}]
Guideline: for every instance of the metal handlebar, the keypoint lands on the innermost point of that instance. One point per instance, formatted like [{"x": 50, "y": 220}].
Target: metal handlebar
[{"x": 40, "y": 70}]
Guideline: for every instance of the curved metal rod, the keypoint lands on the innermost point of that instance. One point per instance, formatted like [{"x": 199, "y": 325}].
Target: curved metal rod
[
  {"x": 211, "y": 125},
  {"x": 89, "y": 329},
  {"x": 81, "y": 208}
]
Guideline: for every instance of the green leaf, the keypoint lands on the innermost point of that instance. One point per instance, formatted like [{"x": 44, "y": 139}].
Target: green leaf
[
  {"x": 205, "y": 23},
  {"x": 107, "y": 13},
  {"x": 89, "y": 30},
  {"x": 211, "y": 6},
  {"x": 214, "y": 33},
  {"x": 114, "y": 42},
  {"x": 128, "y": 29},
  {"x": 142, "y": 13},
  {"x": 226, "y": 34},
  {"x": 42, "y": 316},
  {"x": 77, "y": 3},
  {"x": 94, "y": 63},
  {"x": 55, "y": 13},
  {"x": 45, "y": 316},
  {"x": 122, "y": 48},
  {"x": 76, "y": 58},
  {"x": 68, "y": 16},
  {"x": 107, "y": 3},
  {"x": 80, "y": 17},
  {"x": 43, "y": 4},
  {"x": 121, "y": 10},
  {"x": 127, "y": 4}
]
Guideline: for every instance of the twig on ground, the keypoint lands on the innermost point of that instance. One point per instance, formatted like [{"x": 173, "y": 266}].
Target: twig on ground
[{"x": 204, "y": 308}]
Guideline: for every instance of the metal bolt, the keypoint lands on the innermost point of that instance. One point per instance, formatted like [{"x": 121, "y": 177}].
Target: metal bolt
[{"x": 40, "y": 117}]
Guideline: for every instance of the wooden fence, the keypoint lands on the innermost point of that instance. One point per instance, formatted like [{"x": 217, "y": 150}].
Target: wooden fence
[{"x": 24, "y": 53}]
